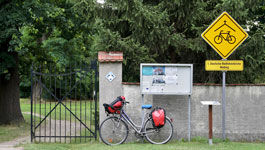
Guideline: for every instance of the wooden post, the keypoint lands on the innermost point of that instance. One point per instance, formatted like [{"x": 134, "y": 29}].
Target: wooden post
[{"x": 210, "y": 124}]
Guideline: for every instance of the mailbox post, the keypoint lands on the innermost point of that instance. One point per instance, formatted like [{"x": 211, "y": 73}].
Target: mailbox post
[{"x": 210, "y": 104}]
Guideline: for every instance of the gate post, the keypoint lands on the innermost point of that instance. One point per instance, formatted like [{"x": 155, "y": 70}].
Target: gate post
[
  {"x": 32, "y": 133},
  {"x": 110, "y": 79}
]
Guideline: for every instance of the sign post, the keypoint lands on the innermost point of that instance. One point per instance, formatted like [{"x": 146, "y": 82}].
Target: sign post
[
  {"x": 224, "y": 35},
  {"x": 223, "y": 106}
]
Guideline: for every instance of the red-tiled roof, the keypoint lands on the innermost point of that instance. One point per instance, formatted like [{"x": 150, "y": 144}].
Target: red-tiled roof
[{"x": 110, "y": 56}]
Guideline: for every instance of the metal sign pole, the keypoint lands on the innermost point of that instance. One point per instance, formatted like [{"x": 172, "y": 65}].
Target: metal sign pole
[
  {"x": 189, "y": 118},
  {"x": 142, "y": 110},
  {"x": 223, "y": 106}
]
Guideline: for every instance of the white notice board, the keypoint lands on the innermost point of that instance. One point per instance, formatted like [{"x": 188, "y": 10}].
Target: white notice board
[{"x": 166, "y": 79}]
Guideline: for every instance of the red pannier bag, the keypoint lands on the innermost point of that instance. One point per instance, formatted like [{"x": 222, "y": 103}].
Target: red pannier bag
[
  {"x": 158, "y": 116},
  {"x": 115, "y": 106}
]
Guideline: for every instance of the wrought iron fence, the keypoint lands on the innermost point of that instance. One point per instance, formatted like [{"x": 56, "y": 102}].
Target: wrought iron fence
[{"x": 64, "y": 103}]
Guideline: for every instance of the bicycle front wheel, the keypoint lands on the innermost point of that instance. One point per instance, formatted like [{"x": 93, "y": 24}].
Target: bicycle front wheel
[
  {"x": 113, "y": 131},
  {"x": 158, "y": 135}
]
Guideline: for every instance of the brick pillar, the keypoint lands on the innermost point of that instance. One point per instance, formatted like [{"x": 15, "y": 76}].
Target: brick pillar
[{"x": 110, "y": 63}]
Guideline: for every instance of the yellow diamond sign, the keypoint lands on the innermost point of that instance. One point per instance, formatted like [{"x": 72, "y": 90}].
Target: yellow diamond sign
[{"x": 224, "y": 35}]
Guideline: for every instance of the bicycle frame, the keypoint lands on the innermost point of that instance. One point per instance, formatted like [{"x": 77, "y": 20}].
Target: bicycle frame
[
  {"x": 227, "y": 35},
  {"x": 129, "y": 121}
]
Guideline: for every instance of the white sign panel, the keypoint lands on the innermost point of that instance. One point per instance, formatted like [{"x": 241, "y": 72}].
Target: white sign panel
[
  {"x": 172, "y": 79},
  {"x": 110, "y": 76},
  {"x": 210, "y": 103}
]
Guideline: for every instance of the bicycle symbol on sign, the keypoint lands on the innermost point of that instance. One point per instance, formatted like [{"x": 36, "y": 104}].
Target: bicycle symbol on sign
[
  {"x": 224, "y": 35},
  {"x": 229, "y": 38}
]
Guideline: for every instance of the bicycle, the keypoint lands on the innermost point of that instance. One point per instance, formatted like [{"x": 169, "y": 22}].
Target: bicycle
[
  {"x": 114, "y": 129},
  {"x": 229, "y": 38}
]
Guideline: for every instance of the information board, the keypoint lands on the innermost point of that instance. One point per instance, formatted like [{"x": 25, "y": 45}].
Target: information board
[{"x": 166, "y": 79}]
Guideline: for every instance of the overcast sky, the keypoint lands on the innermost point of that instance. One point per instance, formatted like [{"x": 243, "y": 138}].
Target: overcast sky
[{"x": 101, "y": 1}]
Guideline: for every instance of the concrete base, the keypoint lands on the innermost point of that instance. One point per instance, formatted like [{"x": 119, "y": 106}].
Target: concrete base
[{"x": 210, "y": 141}]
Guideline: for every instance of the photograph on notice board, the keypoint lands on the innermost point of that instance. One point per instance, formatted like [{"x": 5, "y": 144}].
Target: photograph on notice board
[
  {"x": 158, "y": 80},
  {"x": 158, "y": 70}
]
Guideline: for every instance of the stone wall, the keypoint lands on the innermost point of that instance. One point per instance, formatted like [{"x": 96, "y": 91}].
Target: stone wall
[
  {"x": 245, "y": 105},
  {"x": 245, "y": 111}
]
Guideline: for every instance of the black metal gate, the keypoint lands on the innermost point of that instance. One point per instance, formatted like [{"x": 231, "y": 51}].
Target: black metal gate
[{"x": 64, "y": 103}]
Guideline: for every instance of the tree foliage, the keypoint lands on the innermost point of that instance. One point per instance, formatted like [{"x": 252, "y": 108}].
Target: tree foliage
[
  {"x": 39, "y": 32},
  {"x": 146, "y": 31},
  {"x": 169, "y": 32},
  {"x": 58, "y": 32}
]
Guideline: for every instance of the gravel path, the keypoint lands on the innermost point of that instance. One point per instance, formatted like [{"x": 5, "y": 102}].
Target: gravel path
[{"x": 52, "y": 128}]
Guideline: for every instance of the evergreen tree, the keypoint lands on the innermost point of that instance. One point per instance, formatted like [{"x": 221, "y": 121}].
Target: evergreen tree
[{"x": 169, "y": 32}]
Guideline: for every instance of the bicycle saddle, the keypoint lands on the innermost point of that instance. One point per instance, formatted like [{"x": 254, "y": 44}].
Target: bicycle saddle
[{"x": 146, "y": 106}]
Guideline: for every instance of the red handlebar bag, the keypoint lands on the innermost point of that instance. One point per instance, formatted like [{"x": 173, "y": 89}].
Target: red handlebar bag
[{"x": 115, "y": 106}]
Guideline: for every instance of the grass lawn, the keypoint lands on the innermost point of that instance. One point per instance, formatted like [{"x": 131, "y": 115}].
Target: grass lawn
[
  {"x": 9, "y": 132},
  {"x": 146, "y": 146},
  {"x": 84, "y": 110}
]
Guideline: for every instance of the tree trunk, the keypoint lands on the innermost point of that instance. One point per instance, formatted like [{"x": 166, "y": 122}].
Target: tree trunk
[
  {"x": 172, "y": 54},
  {"x": 10, "y": 111},
  {"x": 36, "y": 91}
]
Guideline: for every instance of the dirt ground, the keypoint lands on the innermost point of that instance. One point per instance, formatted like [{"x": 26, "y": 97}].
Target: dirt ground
[{"x": 49, "y": 127}]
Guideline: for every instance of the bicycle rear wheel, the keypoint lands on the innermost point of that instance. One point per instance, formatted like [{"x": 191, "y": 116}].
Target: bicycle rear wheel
[
  {"x": 158, "y": 135},
  {"x": 113, "y": 131}
]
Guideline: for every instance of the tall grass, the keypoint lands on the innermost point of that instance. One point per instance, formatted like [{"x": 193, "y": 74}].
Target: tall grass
[{"x": 12, "y": 131}]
